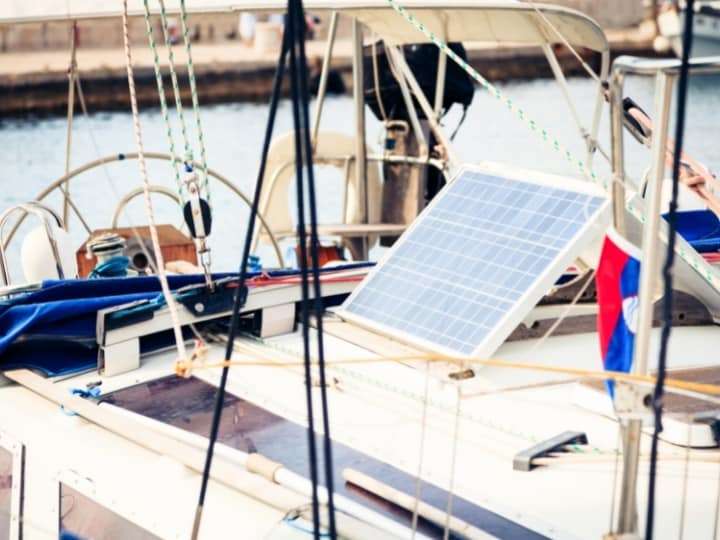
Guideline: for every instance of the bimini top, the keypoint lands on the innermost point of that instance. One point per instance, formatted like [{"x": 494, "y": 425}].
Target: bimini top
[{"x": 501, "y": 21}]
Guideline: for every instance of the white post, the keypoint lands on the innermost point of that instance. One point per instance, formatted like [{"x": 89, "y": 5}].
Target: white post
[
  {"x": 359, "y": 98},
  {"x": 649, "y": 274}
]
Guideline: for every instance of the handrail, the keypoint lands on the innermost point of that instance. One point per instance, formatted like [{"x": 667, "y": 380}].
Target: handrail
[
  {"x": 42, "y": 212},
  {"x": 636, "y": 65},
  {"x": 60, "y": 182}
]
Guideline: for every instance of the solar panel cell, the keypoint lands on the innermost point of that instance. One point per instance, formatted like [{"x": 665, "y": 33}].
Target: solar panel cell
[{"x": 457, "y": 275}]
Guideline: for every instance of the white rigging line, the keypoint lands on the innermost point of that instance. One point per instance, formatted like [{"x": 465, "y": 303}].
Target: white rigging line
[
  {"x": 179, "y": 342},
  {"x": 686, "y": 471},
  {"x": 453, "y": 463},
  {"x": 421, "y": 453},
  {"x": 615, "y": 476}
]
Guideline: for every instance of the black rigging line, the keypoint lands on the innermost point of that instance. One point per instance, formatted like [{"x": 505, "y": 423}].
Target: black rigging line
[
  {"x": 657, "y": 398},
  {"x": 241, "y": 292},
  {"x": 290, "y": 25},
  {"x": 314, "y": 247}
]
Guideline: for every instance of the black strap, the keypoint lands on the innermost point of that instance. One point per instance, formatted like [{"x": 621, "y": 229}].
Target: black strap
[
  {"x": 657, "y": 397},
  {"x": 303, "y": 148},
  {"x": 240, "y": 293}
]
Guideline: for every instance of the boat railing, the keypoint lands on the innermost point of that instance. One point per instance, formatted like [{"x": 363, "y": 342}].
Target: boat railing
[{"x": 47, "y": 216}]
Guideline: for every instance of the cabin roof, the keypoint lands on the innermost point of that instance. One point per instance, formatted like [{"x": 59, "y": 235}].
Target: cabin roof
[{"x": 500, "y": 21}]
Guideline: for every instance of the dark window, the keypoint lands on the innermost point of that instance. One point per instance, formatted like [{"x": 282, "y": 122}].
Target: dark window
[
  {"x": 6, "y": 480},
  {"x": 81, "y": 518}
]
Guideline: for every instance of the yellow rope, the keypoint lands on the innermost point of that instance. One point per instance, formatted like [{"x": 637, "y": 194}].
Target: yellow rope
[{"x": 185, "y": 368}]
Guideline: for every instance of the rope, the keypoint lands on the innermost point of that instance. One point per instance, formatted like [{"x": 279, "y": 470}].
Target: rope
[
  {"x": 303, "y": 153},
  {"x": 453, "y": 463},
  {"x": 546, "y": 136},
  {"x": 238, "y": 300},
  {"x": 195, "y": 101},
  {"x": 72, "y": 69},
  {"x": 717, "y": 509},
  {"x": 692, "y": 257},
  {"x": 110, "y": 180},
  {"x": 421, "y": 453},
  {"x": 179, "y": 341},
  {"x": 686, "y": 471},
  {"x": 550, "y": 331},
  {"x": 678, "y": 386},
  {"x": 615, "y": 476},
  {"x": 657, "y": 397},
  {"x": 163, "y": 100},
  {"x": 173, "y": 78}
]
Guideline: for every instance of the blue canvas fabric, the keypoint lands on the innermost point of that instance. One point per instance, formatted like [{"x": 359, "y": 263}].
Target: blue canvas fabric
[
  {"x": 53, "y": 329},
  {"x": 701, "y": 228}
]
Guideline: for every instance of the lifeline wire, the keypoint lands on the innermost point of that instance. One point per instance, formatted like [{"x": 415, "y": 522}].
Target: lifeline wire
[
  {"x": 657, "y": 398},
  {"x": 239, "y": 294},
  {"x": 303, "y": 150}
]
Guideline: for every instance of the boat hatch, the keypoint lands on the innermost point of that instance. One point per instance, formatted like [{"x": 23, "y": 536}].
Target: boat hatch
[
  {"x": 478, "y": 259},
  {"x": 188, "y": 404}
]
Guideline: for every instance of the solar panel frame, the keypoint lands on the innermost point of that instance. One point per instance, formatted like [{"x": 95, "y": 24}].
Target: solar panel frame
[{"x": 594, "y": 227}]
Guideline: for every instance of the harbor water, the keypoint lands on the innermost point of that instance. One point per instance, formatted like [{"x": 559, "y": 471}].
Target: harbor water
[{"x": 33, "y": 151}]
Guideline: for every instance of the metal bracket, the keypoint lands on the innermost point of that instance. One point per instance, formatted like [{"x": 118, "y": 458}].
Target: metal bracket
[
  {"x": 120, "y": 328},
  {"x": 524, "y": 460}
]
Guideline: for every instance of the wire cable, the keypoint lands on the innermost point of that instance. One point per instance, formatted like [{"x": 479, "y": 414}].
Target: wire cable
[
  {"x": 162, "y": 277},
  {"x": 657, "y": 397},
  {"x": 304, "y": 133},
  {"x": 239, "y": 298}
]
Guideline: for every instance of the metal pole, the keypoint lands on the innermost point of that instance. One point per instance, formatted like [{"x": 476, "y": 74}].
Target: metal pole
[
  {"x": 70, "y": 114},
  {"x": 649, "y": 274},
  {"x": 322, "y": 85},
  {"x": 562, "y": 83},
  {"x": 599, "y": 101},
  {"x": 618, "y": 156},
  {"x": 441, "y": 72},
  {"x": 425, "y": 106},
  {"x": 423, "y": 146},
  {"x": 359, "y": 98}
]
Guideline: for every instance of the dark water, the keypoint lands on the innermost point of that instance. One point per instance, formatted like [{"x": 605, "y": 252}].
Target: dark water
[{"x": 33, "y": 150}]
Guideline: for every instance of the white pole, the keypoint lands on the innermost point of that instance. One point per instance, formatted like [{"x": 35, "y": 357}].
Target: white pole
[{"x": 649, "y": 274}]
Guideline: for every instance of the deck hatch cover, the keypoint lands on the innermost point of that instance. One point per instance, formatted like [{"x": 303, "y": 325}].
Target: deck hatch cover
[{"x": 478, "y": 259}]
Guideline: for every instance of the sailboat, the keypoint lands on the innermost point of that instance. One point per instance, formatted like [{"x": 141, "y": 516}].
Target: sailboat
[
  {"x": 706, "y": 27},
  {"x": 453, "y": 389}
]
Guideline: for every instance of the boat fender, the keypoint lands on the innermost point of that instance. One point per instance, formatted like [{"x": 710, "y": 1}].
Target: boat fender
[{"x": 36, "y": 254}]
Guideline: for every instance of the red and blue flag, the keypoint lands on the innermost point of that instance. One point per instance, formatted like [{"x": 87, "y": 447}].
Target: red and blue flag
[{"x": 617, "y": 280}]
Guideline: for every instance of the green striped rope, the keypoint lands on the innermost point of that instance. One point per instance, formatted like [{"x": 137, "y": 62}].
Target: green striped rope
[
  {"x": 176, "y": 87},
  {"x": 195, "y": 101},
  {"x": 163, "y": 101},
  {"x": 696, "y": 261},
  {"x": 494, "y": 91}
]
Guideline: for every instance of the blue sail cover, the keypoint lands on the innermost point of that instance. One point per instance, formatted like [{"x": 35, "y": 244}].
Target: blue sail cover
[{"x": 53, "y": 329}]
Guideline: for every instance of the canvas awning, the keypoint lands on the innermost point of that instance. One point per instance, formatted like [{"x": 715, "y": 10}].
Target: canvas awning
[{"x": 503, "y": 21}]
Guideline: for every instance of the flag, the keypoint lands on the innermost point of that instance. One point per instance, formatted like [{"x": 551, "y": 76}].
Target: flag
[{"x": 617, "y": 280}]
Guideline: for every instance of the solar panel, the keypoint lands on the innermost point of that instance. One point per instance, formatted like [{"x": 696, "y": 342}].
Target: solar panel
[{"x": 477, "y": 260}]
